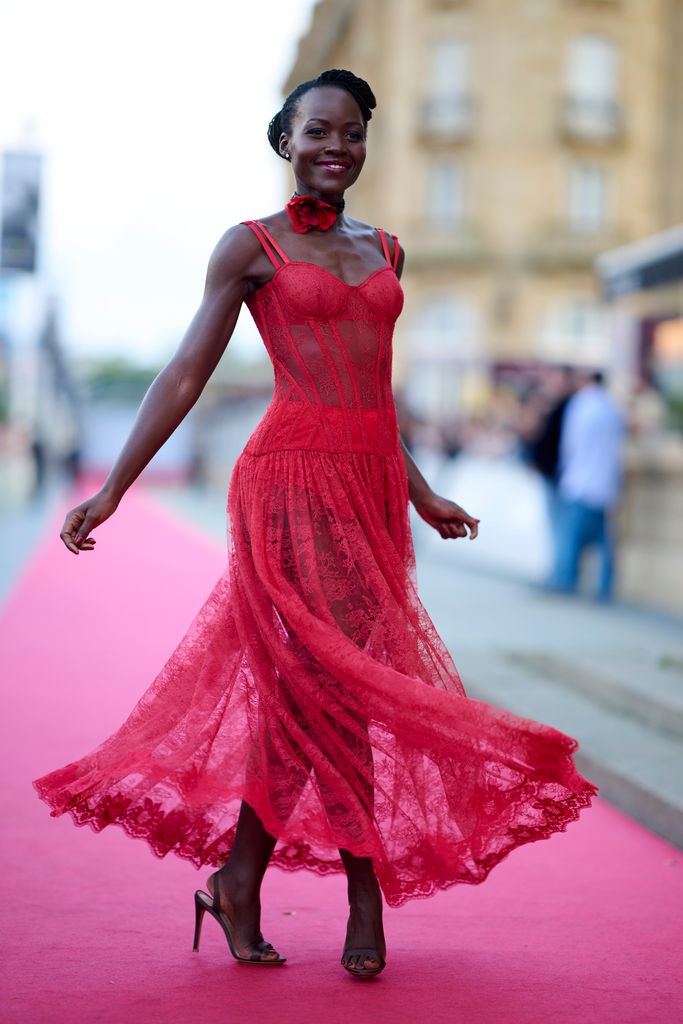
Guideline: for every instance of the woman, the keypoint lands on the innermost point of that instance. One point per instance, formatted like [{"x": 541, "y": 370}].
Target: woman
[{"x": 312, "y": 717}]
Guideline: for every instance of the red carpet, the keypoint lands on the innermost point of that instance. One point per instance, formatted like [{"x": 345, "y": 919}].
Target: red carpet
[{"x": 583, "y": 927}]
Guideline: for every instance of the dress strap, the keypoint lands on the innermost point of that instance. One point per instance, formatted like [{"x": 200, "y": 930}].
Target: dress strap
[
  {"x": 385, "y": 247},
  {"x": 267, "y": 241}
]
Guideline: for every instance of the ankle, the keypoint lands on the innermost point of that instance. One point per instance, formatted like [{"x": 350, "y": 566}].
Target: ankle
[
  {"x": 365, "y": 892},
  {"x": 242, "y": 886}
]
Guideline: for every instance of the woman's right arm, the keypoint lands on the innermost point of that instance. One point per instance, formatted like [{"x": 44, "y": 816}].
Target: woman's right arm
[{"x": 178, "y": 385}]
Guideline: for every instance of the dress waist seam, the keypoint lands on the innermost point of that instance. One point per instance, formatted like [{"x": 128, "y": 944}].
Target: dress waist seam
[{"x": 322, "y": 451}]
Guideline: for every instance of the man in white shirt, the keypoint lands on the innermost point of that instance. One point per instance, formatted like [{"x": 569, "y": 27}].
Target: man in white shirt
[{"x": 590, "y": 482}]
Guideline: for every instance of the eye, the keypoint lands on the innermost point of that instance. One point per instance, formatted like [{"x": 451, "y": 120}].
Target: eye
[
  {"x": 311, "y": 131},
  {"x": 356, "y": 136}
]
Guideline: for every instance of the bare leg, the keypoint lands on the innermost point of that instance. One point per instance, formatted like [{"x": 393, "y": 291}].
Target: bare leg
[
  {"x": 239, "y": 883},
  {"x": 364, "y": 929}
]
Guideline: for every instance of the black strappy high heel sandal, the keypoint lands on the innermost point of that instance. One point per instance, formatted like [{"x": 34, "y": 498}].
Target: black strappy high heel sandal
[
  {"x": 364, "y": 954},
  {"x": 203, "y": 902}
]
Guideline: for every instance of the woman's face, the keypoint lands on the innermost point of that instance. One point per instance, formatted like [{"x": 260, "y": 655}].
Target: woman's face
[{"x": 327, "y": 141}]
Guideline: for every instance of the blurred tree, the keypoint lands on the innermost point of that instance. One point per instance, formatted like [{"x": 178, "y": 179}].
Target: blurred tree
[{"x": 118, "y": 379}]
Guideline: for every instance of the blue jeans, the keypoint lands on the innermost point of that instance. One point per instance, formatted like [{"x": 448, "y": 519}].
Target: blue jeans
[
  {"x": 582, "y": 526},
  {"x": 553, "y": 507}
]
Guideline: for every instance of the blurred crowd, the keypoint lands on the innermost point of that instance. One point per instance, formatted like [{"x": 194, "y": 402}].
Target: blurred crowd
[{"x": 565, "y": 425}]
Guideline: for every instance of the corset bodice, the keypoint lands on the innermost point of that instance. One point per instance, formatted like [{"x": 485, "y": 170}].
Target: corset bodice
[{"x": 330, "y": 343}]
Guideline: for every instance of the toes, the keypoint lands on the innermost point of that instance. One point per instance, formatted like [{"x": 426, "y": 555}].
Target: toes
[
  {"x": 266, "y": 950},
  {"x": 359, "y": 963}
]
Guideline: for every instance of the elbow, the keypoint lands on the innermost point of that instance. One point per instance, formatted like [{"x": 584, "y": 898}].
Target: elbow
[{"x": 184, "y": 380}]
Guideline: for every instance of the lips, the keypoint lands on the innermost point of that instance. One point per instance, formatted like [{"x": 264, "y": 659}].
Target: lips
[{"x": 333, "y": 165}]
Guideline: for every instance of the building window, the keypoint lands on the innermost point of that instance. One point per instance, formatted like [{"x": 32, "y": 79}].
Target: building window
[
  {"x": 587, "y": 197},
  {"x": 575, "y": 331},
  {"x": 445, "y": 327},
  {"x": 449, "y": 72},
  {"x": 445, "y": 192},
  {"x": 445, "y": 354},
  {"x": 592, "y": 87},
  {"x": 592, "y": 69},
  {"x": 448, "y": 107}
]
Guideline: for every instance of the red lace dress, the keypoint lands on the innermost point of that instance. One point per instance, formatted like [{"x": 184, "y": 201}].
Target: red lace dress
[{"x": 312, "y": 683}]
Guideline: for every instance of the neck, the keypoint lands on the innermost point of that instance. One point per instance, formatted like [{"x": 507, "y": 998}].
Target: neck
[{"x": 335, "y": 199}]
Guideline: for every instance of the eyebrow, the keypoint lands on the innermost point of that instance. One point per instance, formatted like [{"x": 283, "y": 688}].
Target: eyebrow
[{"x": 325, "y": 121}]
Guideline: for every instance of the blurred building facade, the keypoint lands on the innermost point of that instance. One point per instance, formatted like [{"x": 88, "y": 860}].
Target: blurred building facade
[
  {"x": 513, "y": 144},
  {"x": 643, "y": 286}
]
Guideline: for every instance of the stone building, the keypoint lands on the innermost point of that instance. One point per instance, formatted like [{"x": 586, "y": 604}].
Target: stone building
[{"x": 514, "y": 141}]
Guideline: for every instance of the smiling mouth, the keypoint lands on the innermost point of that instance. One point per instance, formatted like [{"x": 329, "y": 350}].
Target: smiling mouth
[{"x": 333, "y": 165}]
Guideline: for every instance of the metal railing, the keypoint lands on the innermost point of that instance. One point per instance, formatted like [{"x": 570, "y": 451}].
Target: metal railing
[
  {"x": 597, "y": 120},
  {"x": 447, "y": 117}
]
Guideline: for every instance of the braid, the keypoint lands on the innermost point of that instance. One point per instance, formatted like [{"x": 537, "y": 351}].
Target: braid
[{"x": 357, "y": 87}]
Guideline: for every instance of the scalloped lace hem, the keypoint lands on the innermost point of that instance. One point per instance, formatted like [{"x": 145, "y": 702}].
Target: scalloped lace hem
[{"x": 297, "y": 855}]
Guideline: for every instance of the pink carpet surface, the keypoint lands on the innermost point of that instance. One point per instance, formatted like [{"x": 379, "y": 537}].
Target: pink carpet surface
[{"x": 585, "y": 926}]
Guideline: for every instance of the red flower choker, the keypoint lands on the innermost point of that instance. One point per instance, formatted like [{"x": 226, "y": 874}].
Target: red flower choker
[{"x": 308, "y": 213}]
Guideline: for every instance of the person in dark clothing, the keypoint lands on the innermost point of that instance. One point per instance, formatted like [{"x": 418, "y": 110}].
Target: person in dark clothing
[{"x": 558, "y": 386}]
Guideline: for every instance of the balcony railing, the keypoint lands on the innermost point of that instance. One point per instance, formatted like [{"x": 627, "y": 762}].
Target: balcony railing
[
  {"x": 561, "y": 245},
  {"x": 447, "y": 117},
  {"x": 431, "y": 246},
  {"x": 591, "y": 120}
]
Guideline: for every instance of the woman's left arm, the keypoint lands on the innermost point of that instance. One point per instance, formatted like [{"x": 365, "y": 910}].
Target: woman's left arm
[{"x": 445, "y": 516}]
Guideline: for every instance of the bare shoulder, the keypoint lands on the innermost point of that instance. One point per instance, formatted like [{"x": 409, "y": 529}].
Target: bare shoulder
[
  {"x": 273, "y": 219},
  {"x": 234, "y": 254},
  {"x": 371, "y": 232}
]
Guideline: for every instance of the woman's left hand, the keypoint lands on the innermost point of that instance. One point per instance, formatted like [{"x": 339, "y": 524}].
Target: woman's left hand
[{"x": 445, "y": 516}]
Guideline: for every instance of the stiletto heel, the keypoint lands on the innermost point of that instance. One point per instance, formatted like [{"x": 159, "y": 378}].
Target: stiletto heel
[
  {"x": 204, "y": 902},
  {"x": 199, "y": 910}
]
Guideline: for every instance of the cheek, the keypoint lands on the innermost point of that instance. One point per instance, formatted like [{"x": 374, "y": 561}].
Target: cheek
[{"x": 359, "y": 159}]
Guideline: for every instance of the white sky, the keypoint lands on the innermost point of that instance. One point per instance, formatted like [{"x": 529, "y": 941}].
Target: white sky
[{"x": 152, "y": 116}]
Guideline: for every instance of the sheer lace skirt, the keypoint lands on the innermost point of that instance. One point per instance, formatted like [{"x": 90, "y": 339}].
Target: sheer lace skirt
[{"x": 313, "y": 685}]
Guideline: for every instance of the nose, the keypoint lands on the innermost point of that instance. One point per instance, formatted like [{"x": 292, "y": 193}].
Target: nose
[{"x": 335, "y": 145}]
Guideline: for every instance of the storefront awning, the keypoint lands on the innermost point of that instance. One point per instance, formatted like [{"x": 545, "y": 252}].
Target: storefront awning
[{"x": 651, "y": 262}]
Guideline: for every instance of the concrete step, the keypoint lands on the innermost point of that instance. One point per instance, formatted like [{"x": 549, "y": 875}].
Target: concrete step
[
  {"x": 636, "y": 767},
  {"x": 650, "y": 692}
]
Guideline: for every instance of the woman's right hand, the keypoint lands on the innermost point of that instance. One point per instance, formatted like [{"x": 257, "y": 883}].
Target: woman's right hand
[{"x": 84, "y": 518}]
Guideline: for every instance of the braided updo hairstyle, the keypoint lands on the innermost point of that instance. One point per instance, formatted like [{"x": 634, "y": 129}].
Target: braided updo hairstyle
[{"x": 357, "y": 87}]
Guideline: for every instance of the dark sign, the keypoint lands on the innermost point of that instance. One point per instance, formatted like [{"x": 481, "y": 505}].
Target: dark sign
[{"x": 19, "y": 211}]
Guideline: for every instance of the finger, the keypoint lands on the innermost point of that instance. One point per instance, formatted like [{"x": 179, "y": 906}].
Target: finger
[
  {"x": 66, "y": 538},
  {"x": 72, "y": 528},
  {"x": 87, "y": 525},
  {"x": 472, "y": 522},
  {"x": 73, "y": 520},
  {"x": 467, "y": 518},
  {"x": 453, "y": 530}
]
